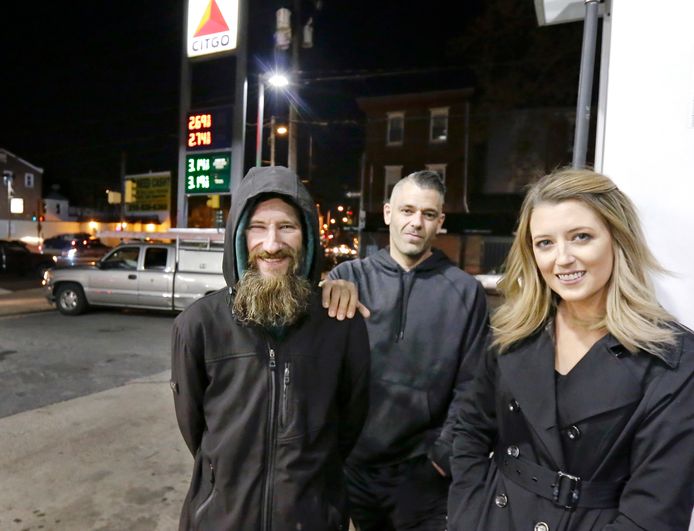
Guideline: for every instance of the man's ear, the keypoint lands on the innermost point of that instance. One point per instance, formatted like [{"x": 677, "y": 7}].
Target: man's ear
[
  {"x": 386, "y": 213},
  {"x": 442, "y": 218}
]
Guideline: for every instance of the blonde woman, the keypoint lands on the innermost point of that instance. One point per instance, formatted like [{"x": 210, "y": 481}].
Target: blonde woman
[{"x": 582, "y": 414}]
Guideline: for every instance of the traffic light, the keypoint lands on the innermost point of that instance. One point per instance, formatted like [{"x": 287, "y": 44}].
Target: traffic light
[
  {"x": 213, "y": 201},
  {"x": 130, "y": 190},
  {"x": 42, "y": 219},
  {"x": 33, "y": 216}
]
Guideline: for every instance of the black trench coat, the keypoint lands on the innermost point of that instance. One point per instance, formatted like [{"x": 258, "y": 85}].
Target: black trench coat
[{"x": 629, "y": 428}]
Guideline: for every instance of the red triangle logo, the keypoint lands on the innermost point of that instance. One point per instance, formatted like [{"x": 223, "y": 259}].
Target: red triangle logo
[{"x": 212, "y": 21}]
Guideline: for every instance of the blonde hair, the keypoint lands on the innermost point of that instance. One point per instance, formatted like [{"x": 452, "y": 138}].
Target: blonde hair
[{"x": 632, "y": 313}]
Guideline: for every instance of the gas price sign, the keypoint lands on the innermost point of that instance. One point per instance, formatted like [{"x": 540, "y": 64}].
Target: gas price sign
[
  {"x": 208, "y": 129},
  {"x": 208, "y": 173}
]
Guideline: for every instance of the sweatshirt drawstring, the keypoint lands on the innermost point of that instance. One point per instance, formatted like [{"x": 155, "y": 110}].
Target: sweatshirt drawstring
[{"x": 406, "y": 283}]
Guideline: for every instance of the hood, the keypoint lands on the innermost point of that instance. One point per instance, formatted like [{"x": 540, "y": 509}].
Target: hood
[{"x": 281, "y": 182}]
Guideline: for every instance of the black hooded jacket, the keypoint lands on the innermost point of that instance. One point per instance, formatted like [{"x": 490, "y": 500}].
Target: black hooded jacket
[
  {"x": 427, "y": 329},
  {"x": 269, "y": 421}
]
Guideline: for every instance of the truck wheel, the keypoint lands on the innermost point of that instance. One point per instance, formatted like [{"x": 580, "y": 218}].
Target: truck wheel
[{"x": 70, "y": 299}]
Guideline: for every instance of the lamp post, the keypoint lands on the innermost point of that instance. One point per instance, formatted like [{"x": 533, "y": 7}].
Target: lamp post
[
  {"x": 275, "y": 80},
  {"x": 275, "y": 130}
]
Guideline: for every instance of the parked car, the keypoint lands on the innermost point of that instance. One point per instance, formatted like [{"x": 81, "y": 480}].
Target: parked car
[
  {"x": 150, "y": 275},
  {"x": 74, "y": 248},
  {"x": 17, "y": 259},
  {"x": 55, "y": 244}
]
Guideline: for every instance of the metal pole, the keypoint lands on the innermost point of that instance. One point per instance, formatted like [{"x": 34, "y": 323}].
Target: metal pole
[
  {"x": 122, "y": 188},
  {"x": 259, "y": 125},
  {"x": 9, "y": 208},
  {"x": 184, "y": 107},
  {"x": 292, "y": 140},
  {"x": 239, "y": 138},
  {"x": 585, "y": 83},
  {"x": 272, "y": 141},
  {"x": 466, "y": 152},
  {"x": 361, "y": 205}
]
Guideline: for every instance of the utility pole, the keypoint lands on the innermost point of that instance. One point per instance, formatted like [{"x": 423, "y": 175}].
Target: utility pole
[
  {"x": 293, "y": 114},
  {"x": 240, "y": 100},
  {"x": 122, "y": 188}
]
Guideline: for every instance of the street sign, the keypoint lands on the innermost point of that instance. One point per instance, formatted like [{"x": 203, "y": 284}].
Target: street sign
[
  {"x": 149, "y": 192},
  {"x": 208, "y": 173}
]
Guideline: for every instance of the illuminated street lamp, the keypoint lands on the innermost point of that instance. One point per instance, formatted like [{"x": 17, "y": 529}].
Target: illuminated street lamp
[{"x": 274, "y": 79}]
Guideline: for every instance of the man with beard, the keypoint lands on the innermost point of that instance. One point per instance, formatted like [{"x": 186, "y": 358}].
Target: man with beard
[
  {"x": 270, "y": 392},
  {"x": 427, "y": 331}
]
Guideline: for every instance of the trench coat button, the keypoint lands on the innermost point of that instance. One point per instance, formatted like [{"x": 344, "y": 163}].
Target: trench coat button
[
  {"x": 501, "y": 500},
  {"x": 513, "y": 451},
  {"x": 513, "y": 406},
  {"x": 541, "y": 526},
  {"x": 573, "y": 433}
]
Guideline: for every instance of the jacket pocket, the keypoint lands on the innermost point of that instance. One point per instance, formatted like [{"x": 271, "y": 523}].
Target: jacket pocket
[{"x": 207, "y": 482}]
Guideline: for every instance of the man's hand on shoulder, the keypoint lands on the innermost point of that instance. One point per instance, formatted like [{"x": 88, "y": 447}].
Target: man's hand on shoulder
[{"x": 341, "y": 299}]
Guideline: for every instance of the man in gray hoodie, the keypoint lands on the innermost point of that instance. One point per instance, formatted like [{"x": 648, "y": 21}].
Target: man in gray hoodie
[
  {"x": 427, "y": 331},
  {"x": 270, "y": 392}
]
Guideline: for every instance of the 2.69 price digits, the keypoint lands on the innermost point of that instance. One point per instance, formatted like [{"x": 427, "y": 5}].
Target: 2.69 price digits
[{"x": 199, "y": 121}]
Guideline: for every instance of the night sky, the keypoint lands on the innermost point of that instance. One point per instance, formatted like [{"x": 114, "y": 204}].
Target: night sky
[{"x": 83, "y": 82}]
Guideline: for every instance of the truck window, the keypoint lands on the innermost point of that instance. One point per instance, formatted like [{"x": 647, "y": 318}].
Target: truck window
[
  {"x": 123, "y": 258},
  {"x": 155, "y": 258}
]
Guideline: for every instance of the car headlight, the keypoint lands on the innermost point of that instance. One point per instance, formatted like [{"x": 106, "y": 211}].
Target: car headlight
[{"x": 71, "y": 253}]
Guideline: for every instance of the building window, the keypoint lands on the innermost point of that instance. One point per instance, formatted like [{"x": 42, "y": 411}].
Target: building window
[
  {"x": 438, "y": 168},
  {"x": 438, "y": 124},
  {"x": 28, "y": 180},
  {"x": 393, "y": 175},
  {"x": 396, "y": 128}
]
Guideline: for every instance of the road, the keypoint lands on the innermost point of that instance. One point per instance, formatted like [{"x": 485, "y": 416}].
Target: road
[
  {"x": 87, "y": 429},
  {"x": 47, "y": 357}
]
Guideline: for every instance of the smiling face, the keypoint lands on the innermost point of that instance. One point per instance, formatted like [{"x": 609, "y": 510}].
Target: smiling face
[
  {"x": 274, "y": 237},
  {"x": 573, "y": 252},
  {"x": 414, "y": 217}
]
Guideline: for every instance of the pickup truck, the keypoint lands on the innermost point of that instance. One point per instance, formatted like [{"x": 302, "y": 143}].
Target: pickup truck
[{"x": 141, "y": 274}]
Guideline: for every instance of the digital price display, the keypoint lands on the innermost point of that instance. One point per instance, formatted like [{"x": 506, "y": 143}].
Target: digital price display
[
  {"x": 208, "y": 129},
  {"x": 208, "y": 173}
]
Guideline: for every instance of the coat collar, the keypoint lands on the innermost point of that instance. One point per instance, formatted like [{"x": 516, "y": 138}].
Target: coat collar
[{"x": 607, "y": 378}]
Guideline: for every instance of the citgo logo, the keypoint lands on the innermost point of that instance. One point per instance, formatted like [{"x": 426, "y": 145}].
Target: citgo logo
[
  {"x": 208, "y": 30},
  {"x": 212, "y": 21}
]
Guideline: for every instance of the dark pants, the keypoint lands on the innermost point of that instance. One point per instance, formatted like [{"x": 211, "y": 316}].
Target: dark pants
[{"x": 409, "y": 495}]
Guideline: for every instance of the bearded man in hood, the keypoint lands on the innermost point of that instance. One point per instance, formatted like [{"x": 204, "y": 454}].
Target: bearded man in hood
[{"x": 270, "y": 392}]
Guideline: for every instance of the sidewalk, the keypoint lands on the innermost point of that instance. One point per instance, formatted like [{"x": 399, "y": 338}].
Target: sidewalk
[
  {"x": 23, "y": 301},
  {"x": 108, "y": 461}
]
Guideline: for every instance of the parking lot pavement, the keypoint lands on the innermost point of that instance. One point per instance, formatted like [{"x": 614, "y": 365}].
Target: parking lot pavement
[
  {"x": 112, "y": 460},
  {"x": 23, "y": 301}
]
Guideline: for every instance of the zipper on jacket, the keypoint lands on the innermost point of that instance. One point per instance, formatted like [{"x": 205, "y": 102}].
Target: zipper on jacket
[
  {"x": 266, "y": 510},
  {"x": 207, "y": 501},
  {"x": 286, "y": 380}
]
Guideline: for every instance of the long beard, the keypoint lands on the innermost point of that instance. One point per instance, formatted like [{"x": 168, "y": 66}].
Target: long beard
[{"x": 271, "y": 301}]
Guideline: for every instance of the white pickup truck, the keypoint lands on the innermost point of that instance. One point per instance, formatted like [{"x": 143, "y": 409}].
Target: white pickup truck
[{"x": 142, "y": 273}]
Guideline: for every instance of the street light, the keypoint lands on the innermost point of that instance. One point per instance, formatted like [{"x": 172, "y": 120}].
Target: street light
[{"x": 274, "y": 79}]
